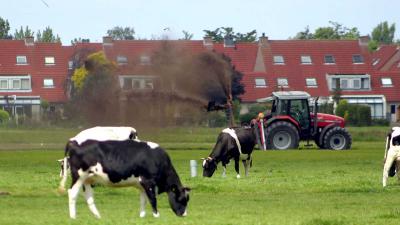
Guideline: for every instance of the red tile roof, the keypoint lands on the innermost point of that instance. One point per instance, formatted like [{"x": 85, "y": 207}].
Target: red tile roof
[{"x": 35, "y": 67}]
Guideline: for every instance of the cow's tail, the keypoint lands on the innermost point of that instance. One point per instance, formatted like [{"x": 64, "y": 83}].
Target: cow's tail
[{"x": 64, "y": 171}]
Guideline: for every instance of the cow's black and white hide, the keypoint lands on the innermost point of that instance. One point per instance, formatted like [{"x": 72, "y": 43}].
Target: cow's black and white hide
[
  {"x": 99, "y": 134},
  {"x": 392, "y": 154},
  {"x": 143, "y": 165},
  {"x": 232, "y": 143}
]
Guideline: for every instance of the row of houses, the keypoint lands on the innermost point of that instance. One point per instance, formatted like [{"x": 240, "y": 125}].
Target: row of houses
[{"x": 32, "y": 72}]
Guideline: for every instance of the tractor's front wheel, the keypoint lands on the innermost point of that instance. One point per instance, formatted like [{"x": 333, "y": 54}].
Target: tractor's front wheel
[
  {"x": 282, "y": 135},
  {"x": 337, "y": 138}
]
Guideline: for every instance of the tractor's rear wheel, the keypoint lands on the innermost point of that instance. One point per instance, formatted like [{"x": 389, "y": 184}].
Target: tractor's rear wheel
[
  {"x": 282, "y": 135},
  {"x": 337, "y": 138}
]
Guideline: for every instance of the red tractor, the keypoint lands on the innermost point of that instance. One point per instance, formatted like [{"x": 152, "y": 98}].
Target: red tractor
[{"x": 290, "y": 121}]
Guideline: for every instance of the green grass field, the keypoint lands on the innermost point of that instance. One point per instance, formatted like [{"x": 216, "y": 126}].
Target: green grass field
[{"x": 305, "y": 187}]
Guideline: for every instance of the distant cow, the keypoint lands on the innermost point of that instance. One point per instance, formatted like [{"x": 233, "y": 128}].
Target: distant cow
[
  {"x": 236, "y": 143},
  {"x": 99, "y": 134},
  {"x": 392, "y": 154},
  {"x": 143, "y": 165}
]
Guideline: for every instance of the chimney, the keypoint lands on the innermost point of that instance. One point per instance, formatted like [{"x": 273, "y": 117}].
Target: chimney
[
  {"x": 229, "y": 42},
  {"x": 208, "y": 42},
  {"x": 263, "y": 41},
  {"x": 363, "y": 40},
  {"x": 29, "y": 41},
  {"x": 107, "y": 40}
]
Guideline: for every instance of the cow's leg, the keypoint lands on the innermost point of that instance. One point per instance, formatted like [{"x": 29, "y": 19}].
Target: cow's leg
[
  {"x": 90, "y": 200},
  {"x": 246, "y": 164},
  {"x": 388, "y": 163},
  {"x": 237, "y": 168},
  {"x": 223, "y": 170},
  {"x": 73, "y": 193},
  {"x": 143, "y": 204},
  {"x": 149, "y": 188}
]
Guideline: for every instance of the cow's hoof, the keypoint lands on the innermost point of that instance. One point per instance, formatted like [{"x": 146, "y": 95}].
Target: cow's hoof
[
  {"x": 142, "y": 214},
  {"x": 156, "y": 215},
  {"x": 238, "y": 176}
]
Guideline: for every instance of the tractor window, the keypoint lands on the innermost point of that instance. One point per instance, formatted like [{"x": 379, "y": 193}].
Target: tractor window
[
  {"x": 299, "y": 111},
  {"x": 282, "y": 107}
]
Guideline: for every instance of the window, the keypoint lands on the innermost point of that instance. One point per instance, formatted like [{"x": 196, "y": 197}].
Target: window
[
  {"x": 278, "y": 59},
  {"x": 21, "y": 60},
  {"x": 145, "y": 60},
  {"x": 358, "y": 59},
  {"x": 392, "y": 109},
  {"x": 70, "y": 65},
  {"x": 260, "y": 82},
  {"x": 48, "y": 83},
  {"x": 25, "y": 84},
  {"x": 49, "y": 60},
  {"x": 387, "y": 82},
  {"x": 283, "y": 82},
  {"x": 306, "y": 59},
  {"x": 136, "y": 82},
  {"x": 122, "y": 60},
  {"x": 375, "y": 61},
  {"x": 329, "y": 59},
  {"x": 350, "y": 82},
  {"x": 3, "y": 84},
  {"x": 311, "y": 82},
  {"x": 16, "y": 84}
]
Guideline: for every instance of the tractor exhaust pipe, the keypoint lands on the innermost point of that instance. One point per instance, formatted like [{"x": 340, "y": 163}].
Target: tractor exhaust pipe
[{"x": 315, "y": 117}]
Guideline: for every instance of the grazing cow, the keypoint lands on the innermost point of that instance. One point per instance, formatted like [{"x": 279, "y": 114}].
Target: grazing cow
[
  {"x": 99, "y": 134},
  {"x": 392, "y": 154},
  {"x": 143, "y": 165},
  {"x": 236, "y": 143}
]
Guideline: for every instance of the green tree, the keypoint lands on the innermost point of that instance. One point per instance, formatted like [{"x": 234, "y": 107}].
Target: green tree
[
  {"x": 21, "y": 34},
  {"x": 97, "y": 98},
  {"x": 304, "y": 35},
  {"x": 187, "y": 35},
  {"x": 4, "y": 29},
  {"x": 47, "y": 36},
  {"x": 335, "y": 31},
  {"x": 218, "y": 35},
  {"x": 120, "y": 33},
  {"x": 383, "y": 33}
]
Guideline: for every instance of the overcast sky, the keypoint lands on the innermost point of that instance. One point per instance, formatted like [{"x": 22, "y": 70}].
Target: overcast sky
[{"x": 278, "y": 19}]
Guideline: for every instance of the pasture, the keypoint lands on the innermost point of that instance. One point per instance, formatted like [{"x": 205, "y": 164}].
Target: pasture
[{"x": 305, "y": 187}]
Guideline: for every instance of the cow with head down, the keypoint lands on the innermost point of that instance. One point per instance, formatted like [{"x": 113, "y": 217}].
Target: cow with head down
[
  {"x": 392, "y": 154},
  {"x": 144, "y": 165},
  {"x": 232, "y": 143}
]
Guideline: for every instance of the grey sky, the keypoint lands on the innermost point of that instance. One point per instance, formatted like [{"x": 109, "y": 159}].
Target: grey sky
[{"x": 277, "y": 19}]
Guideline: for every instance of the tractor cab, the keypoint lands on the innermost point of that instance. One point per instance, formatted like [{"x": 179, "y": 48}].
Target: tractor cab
[{"x": 291, "y": 120}]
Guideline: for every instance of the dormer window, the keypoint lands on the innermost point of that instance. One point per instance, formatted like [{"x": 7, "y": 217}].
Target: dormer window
[
  {"x": 283, "y": 82},
  {"x": 49, "y": 60},
  {"x": 21, "y": 60},
  {"x": 279, "y": 60},
  {"x": 260, "y": 82},
  {"x": 311, "y": 82},
  {"x": 329, "y": 59},
  {"x": 48, "y": 83},
  {"x": 122, "y": 60},
  {"x": 358, "y": 59},
  {"x": 145, "y": 60},
  {"x": 386, "y": 82},
  {"x": 306, "y": 59}
]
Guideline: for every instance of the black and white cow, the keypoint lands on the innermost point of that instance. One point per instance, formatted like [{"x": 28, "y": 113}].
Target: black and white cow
[
  {"x": 392, "y": 154},
  {"x": 143, "y": 165},
  {"x": 99, "y": 134},
  {"x": 236, "y": 143}
]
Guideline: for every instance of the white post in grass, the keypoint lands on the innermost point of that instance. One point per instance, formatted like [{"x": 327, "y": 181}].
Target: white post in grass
[{"x": 193, "y": 168}]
